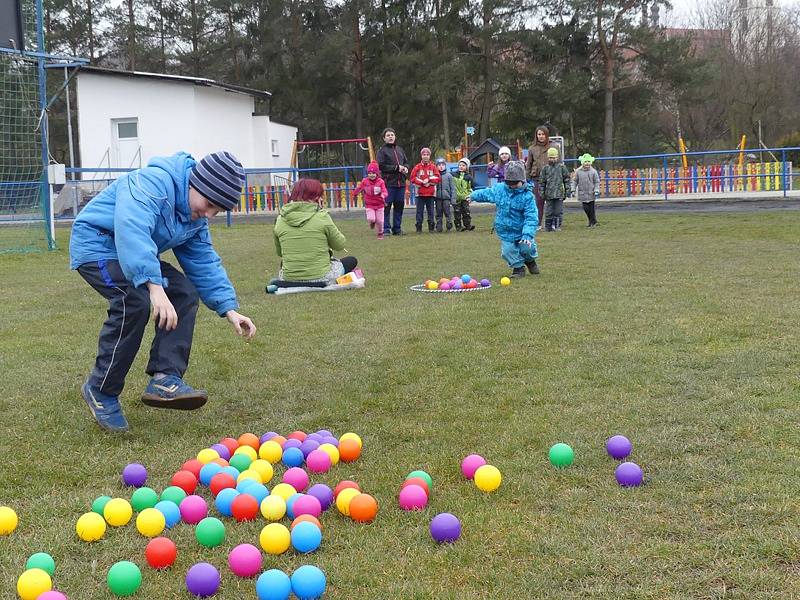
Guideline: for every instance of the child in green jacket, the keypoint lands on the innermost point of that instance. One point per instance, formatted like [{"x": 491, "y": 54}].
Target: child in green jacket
[
  {"x": 556, "y": 185},
  {"x": 463, "y": 182}
]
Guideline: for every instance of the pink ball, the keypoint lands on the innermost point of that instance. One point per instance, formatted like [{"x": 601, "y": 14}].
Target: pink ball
[
  {"x": 445, "y": 286},
  {"x": 297, "y": 478},
  {"x": 318, "y": 461},
  {"x": 413, "y": 497},
  {"x": 471, "y": 464},
  {"x": 51, "y": 595},
  {"x": 245, "y": 560},
  {"x": 193, "y": 509},
  {"x": 307, "y": 505}
]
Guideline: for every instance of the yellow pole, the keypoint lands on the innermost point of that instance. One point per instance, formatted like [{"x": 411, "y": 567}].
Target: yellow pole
[
  {"x": 741, "y": 151},
  {"x": 683, "y": 152},
  {"x": 371, "y": 149}
]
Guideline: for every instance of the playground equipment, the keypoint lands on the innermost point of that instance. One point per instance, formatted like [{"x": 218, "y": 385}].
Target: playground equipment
[{"x": 312, "y": 154}]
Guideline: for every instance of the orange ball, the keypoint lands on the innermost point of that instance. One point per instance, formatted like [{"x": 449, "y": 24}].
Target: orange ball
[
  {"x": 417, "y": 481},
  {"x": 309, "y": 518},
  {"x": 221, "y": 462},
  {"x": 280, "y": 440},
  {"x": 349, "y": 450},
  {"x": 343, "y": 485},
  {"x": 363, "y": 508},
  {"x": 249, "y": 439}
]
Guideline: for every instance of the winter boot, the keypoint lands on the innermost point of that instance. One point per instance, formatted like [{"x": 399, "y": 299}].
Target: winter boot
[
  {"x": 533, "y": 268},
  {"x": 518, "y": 272}
]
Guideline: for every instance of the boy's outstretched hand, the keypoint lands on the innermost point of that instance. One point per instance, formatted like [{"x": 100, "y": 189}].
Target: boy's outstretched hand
[{"x": 243, "y": 325}]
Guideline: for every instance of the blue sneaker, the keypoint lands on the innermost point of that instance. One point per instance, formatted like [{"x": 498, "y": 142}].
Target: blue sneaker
[
  {"x": 172, "y": 392},
  {"x": 105, "y": 409}
]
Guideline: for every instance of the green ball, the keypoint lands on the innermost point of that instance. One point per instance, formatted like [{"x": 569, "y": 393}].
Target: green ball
[
  {"x": 99, "y": 504},
  {"x": 561, "y": 455},
  {"x": 144, "y": 497},
  {"x": 43, "y": 561},
  {"x": 124, "y": 578},
  {"x": 174, "y": 494},
  {"x": 422, "y": 475},
  {"x": 210, "y": 532},
  {"x": 241, "y": 462}
]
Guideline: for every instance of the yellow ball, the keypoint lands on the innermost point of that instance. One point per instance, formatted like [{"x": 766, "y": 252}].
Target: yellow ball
[
  {"x": 487, "y": 478},
  {"x": 150, "y": 522},
  {"x": 331, "y": 451},
  {"x": 432, "y": 285},
  {"x": 32, "y": 583},
  {"x": 118, "y": 512},
  {"x": 273, "y": 507},
  {"x": 263, "y": 468},
  {"x": 344, "y": 499},
  {"x": 270, "y": 451},
  {"x": 505, "y": 281},
  {"x": 90, "y": 527},
  {"x": 250, "y": 474},
  {"x": 248, "y": 451},
  {"x": 352, "y": 436},
  {"x": 206, "y": 455},
  {"x": 8, "y": 520},
  {"x": 284, "y": 490},
  {"x": 275, "y": 538}
]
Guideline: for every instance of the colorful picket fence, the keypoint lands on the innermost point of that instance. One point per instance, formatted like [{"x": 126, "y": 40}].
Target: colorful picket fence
[{"x": 270, "y": 198}]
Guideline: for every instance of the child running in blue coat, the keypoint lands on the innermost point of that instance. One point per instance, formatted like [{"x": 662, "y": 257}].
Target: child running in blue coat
[{"x": 516, "y": 219}]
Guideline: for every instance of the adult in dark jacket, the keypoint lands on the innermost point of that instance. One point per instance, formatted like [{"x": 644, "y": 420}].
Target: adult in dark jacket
[{"x": 394, "y": 171}]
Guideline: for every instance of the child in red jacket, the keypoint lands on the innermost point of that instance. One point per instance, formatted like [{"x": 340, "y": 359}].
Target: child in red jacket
[
  {"x": 425, "y": 176},
  {"x": 375, "y": 193}
]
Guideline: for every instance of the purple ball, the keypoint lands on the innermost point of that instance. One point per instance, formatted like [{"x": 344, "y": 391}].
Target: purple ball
[
  {"x": 324, "y": 433},
  {"x": 323, "y": 493},
  {"x": 222, "y": 450},
  {"x": 134, "y": 475},
  {"x": 629, "y": 474},
  {"x": 618, "y": 447},
  {"x": 308, "y": 446},
  {"x": 202, "y": 580},
  {"x": 267, "y": 436},
  {"x": 292, "y": 443},
  {"x": 329, "y": 439},
  {"x": 457, "y": 285},
  {"x": 314, "y": 437},
  {"x": 485, "y": 283},
  {"x": 445, "y": 528}
]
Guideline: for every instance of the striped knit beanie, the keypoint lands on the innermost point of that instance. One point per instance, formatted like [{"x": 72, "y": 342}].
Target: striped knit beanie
[{"x": 219, "y": 177}]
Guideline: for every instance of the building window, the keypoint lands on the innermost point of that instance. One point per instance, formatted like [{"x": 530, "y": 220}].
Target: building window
[
  {"x": 127, "y": 129},
  {"x": 275, "y": 148}
]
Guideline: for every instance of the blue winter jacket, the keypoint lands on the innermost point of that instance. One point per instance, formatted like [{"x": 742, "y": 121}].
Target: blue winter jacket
[
  {"x": 517, "y": 217},
  {"x": 143, "y": 214}
]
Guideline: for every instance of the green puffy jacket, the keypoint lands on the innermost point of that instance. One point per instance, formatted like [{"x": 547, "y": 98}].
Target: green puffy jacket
[
  {"x": 463, "y": 186},
  {"x": 554, "y": 182},
  {"x": 304, "y": 235}
]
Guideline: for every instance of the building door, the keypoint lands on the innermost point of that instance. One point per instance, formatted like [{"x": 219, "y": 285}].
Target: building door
[{"x": 125, "y": 149}]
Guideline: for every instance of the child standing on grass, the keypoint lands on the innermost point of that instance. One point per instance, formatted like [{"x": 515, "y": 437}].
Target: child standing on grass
[
  {"x": 516, "y": 219},
  {"x": 556, "y": 186},
  {"x": 587, "y": 187},
  {"x": 463, "y": 181},
  {"x": 445, "y": 195},
  {"x": 425, "y": 176},
  {"x": 375, "y": 194}
]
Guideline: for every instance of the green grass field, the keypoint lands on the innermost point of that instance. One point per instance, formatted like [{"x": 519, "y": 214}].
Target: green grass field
[{"x": 678, "y": 330}]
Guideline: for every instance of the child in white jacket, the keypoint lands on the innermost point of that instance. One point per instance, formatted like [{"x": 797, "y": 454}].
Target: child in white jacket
[{"x": 587, "y": 187}]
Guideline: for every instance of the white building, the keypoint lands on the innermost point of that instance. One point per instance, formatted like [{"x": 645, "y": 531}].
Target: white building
[{"x": 125, "y": 118}]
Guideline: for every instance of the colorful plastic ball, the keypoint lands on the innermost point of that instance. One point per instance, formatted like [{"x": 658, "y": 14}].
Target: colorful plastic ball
[
  {"x": 208, "y": 471},
  {"x": 8, "y": 520},
  {"x": 332, "y": 450},
  {"x": 171, "y": 512},
  {"x": 273, "y": 585},
  {"x": 308, "y": 446},
  {"x": 284, "y": 490},
  {"x": 270, "y": 451},
  {"x": 424, "y": 476},
  {"x": 561, "y": 455},
  {"x": 220, "y": 481},
  {"x": 444, "y": 286},
  {"x": 413, "y": 497},
  {"x": 296, "y": 477},
  {"x": 173, "y": 494},
  {"x": 124, "y": 578},
  {"x": 185, "y": 480},
  {"x": 243, "y": 484},
  {"x": 248, "y": 451},
  {"x": 417, "y": 481},
  {"x": 206, "y": 455},
  {"x": 485, "y": 283},
  {"x": 465, "y": 278},
  {"x": 233, "y": 472},
  {"x": 43, "y": 561},
  {"x": 160, "y": 553},
  {"x": 487, "y": 478},
  {"x": 99, "y": 504},
  {"x": 293, "y": 457},
  {"x": 249, "y": 439},
  {"x": 322, "y": 493},
  {"x": 231, "y": 444},
  {"x": 245, "y": 560},
  {"x": 202, "y": 580},
  {"x": 318, "y": 461},
  {"x": 344, "y": 498},
  {"x": 118, "y": 512},
  {"x": 241, "y": 462},
  {"x": 433, "y": 285},
  {"x": 352, "y": 436},
  {"x": 273, "y": 508},
  {"x": 275, "y": 538},
  {"x": 306, "y": 505},
  {"x": 470, "y": 464},
  {"x": 292, "y": 443},
  {"x": 143, "y": 498},
  {"x": 249, "y": 474},
  {"x": 505, "y": 281},
  {"x": 32, "y": 583},
  {"x": 263, "y": 468},
  {"x": 456, "y": 285},
  {"x": 267, "y": 436},
  {"x": 244, "y": 508},
  {"x": 363, "y": 508},
  {"x": 308, "y": 582},
  {"x": 629, "y": 474},
  {"x": 222, "y": 450},
  {"x": 193, "y": 509},
  {"x": 618, "y": 447},
  {"x": 306, "y": 537},
  {"x": 305, "y": 519},
  {"x": 224, "y": 501},
  {"x": 445, "y": 528},
  {"x": 343, "y": 485},
  {"x": 150, "y": 522},
  {"x": 349, "y": 450},
  {"x": 298, "y": 435},
  {"x": 90, "y": 527},
  {"x": 258, "y": 491},
  {"x": 51, "y": 595},
  {"x": 210, "y": 532},
  {"x": 218, "y": 461},
  {"x": 290, "y": 504},
  {"x": 134, "y": 475}
]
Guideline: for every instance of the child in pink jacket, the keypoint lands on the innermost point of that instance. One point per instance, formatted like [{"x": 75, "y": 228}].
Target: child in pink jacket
[{"x": 375, "y": 193}]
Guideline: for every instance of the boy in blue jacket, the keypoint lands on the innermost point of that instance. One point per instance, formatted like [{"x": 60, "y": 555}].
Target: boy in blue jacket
[
  {"x": 516, "y": 219},
  {"x": 116, "y": 245}
]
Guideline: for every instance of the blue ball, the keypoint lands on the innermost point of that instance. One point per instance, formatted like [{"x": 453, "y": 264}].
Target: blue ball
[
  {"x": 258, "y": 491},
  {"x": 232, "y": 471},
  {"x": 306, "y": 537},
  {"x": 171, "y": 512},
  {"x": 308, "y": 582},
  {"x": 273, "y": 585},
  {"x": 208, "y": 471},
  {"x": 293, "y": 457},
  {"x": 466, "y": 278},
  {"x": 245, "y": 483},
  {"x": 290, "y": 505},
  {"x": 225, "y": 500}
]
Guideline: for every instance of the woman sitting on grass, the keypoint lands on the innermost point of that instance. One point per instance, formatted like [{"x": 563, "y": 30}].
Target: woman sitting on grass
[{"x": 305, "y": 238}]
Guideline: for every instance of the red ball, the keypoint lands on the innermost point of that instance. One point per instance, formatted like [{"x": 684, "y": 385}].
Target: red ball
[
  {"x": 244, "y": 507},
  {"x": 220, "y": 481},
  {"x": 417, "y": 481},
  {"x": 300, "y": 436},
  {"x": 230, "y": 443},
  {"x": 193, "y": 466},
  {"x": 343, "y": 485},
  {"x": 185, "y": 480},
  {"x": 160, "y": 552}
]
